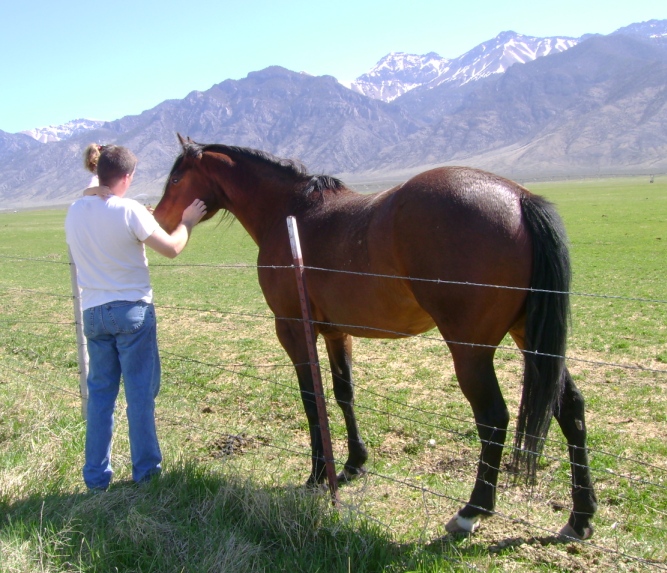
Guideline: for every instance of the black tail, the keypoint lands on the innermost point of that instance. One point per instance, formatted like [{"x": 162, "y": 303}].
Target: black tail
[{"x": 547, "y": 317}]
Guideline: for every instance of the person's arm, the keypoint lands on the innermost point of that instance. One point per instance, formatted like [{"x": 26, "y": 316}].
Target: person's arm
[{"x": 171, "y": 245}]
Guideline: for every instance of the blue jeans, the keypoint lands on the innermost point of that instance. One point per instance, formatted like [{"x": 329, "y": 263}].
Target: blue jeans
[{"x": 122, "y": 339}]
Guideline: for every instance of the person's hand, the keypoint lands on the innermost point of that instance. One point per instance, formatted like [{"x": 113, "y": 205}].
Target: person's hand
[
  {"x": 99, "y": 191},
  {"x": 149, "y": 208},
  {"x": 194, "y": 213}
]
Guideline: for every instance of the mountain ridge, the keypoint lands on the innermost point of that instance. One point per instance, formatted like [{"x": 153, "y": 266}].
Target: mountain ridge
[{"x": 398, "y": 73}]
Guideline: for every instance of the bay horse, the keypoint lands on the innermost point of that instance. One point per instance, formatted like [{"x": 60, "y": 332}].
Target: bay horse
[{"x": 456, "y": 248}]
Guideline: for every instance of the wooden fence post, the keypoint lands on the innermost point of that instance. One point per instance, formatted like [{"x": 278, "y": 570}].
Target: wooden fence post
[
  {"x": 314, "y": 361},
  {"x": 81, "y": 344}
]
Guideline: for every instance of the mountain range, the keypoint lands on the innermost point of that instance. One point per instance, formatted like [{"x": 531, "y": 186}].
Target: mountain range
[{"x": 521, "y": 106}]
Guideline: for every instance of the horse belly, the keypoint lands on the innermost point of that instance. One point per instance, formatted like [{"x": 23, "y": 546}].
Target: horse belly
[{"x": 369, "y": 307}]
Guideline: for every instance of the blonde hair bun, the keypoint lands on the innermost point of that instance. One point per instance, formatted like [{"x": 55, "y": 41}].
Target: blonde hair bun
[{"x": 91, "y": 156}]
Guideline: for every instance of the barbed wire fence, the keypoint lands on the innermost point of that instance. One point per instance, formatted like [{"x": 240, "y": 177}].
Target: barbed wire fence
[{"x": 639, "y": 479}]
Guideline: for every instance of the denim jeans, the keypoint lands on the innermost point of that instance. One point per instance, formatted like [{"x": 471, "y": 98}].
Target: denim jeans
[{"x": 122, "y": 339}]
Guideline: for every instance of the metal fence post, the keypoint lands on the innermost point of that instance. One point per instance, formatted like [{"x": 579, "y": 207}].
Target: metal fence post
[{"x": 314, "y": 361}]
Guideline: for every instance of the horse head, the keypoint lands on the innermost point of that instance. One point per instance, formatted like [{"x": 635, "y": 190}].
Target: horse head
[{"x": 188, "y": 180}]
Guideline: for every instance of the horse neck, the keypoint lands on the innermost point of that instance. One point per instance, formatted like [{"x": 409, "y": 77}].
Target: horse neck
[{"x": 259, "y": 200}]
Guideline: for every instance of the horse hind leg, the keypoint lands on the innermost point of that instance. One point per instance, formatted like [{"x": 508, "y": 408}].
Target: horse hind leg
[
  {"x": 570, "y": 417},
  {"x": 478, "y": 382},
  {"x": 340, "y": 359}
]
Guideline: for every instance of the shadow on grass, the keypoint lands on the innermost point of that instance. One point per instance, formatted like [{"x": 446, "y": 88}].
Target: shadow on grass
[{"x": 191, "y": 519}]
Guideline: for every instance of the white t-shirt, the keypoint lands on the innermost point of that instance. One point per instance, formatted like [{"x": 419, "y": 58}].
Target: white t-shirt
[{"x": 106, "y": 238}]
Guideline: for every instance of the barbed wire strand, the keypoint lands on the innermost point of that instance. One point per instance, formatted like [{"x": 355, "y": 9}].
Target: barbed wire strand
[
  {"x": 367, "y": 274},
  {"x": 591, "y": 451},
  {"x": 508, "y": 447},
  {"x": 397, "y": 334},
  {"x": 552, "y": 458}
]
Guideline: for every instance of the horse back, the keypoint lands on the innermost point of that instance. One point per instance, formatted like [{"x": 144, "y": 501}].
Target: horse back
[{"x": 457, "y": 224}]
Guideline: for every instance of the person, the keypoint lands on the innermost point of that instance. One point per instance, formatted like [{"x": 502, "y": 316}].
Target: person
[{"x": 106, "y": 234}]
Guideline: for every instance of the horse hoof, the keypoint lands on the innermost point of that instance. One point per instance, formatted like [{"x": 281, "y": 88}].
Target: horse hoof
[
  {"x": 458, "y": 524},
  {"x": 347, "y": 476},
  {"x": 568, "y": 533}
]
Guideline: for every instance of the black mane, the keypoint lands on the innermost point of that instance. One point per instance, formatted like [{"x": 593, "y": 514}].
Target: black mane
[
  {"x": 289, "y": 166},
  {"x": 322, "y": 183},
  {"x": 314, "y": 183}
]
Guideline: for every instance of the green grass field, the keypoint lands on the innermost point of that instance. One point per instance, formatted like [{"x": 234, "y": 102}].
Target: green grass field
[{"x": 235, "y": 440}]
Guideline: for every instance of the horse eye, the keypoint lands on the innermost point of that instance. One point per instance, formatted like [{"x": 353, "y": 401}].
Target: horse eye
[{"x": 175, "y": 180}]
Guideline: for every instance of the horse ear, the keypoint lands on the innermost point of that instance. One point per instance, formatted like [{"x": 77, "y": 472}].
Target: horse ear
[{"x": 190, "y": 147}]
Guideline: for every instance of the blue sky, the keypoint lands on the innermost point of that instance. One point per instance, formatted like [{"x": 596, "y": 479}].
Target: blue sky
[{"x": 66, "y": 59}]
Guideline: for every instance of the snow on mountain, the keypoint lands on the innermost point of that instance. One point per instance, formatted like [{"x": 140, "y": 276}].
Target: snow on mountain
[
  {"x": 653, "y": 30},
  {"x": 60, "y": 132},
  {"x": 398, "y": 73}
]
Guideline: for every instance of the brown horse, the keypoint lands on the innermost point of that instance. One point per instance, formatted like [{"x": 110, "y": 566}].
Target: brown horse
[{"x": 398, "y": 263}]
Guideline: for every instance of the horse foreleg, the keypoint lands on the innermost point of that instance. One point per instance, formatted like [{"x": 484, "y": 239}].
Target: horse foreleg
[
  {"x": 478, "y": 382},
  {"x": 570, "y": 417},
  {"x": 318, "y": 470},
  {"x": 291, "y": 336},
  {"x": 340, "y": 359}
]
